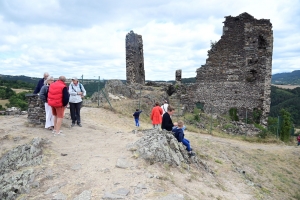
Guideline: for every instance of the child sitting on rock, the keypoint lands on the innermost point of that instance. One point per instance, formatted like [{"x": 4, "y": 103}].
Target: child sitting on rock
[
  {"x": 179, "y": 135},
  {"x": 176, "y": 126},
  {"x": 137, "y": 117}
]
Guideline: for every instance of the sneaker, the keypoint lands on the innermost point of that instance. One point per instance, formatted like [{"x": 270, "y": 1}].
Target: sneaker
[
  {"x": 79, "y": 124},
  {"x": 72, "y": 125},
  {"x": 191, "y": 154}
]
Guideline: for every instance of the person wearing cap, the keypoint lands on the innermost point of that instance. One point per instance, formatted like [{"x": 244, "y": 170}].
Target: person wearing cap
[
  {"x": 77, "y": 92},
  {"x": 41, "y": 83},
  {"x": 165, "y": 107}
]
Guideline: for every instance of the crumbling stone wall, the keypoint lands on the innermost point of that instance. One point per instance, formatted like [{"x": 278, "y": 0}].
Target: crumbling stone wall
[
  {"x": 237, "y": 72},
  {"x": 135, "y": 72},
  {"x": 36, "y": 109}
]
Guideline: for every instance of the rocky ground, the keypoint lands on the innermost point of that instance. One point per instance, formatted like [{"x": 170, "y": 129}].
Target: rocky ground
[{"x": 94, "y": 162}]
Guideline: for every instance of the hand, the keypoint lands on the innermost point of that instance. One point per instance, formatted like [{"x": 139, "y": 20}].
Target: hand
[
  {"x": 80, "y": 93},
  {"x": 82, "y": 96}
]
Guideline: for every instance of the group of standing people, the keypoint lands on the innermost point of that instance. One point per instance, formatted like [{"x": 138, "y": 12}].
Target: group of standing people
[{"x": 57, "y": 95}]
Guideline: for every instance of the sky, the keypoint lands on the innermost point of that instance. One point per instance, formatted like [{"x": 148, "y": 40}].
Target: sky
[{"x": 75, "y": 38}]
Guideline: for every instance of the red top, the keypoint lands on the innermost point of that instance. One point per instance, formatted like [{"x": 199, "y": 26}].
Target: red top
[
  {"x": 55, "y": 94},
  {"x": 298, "y": 138},
  {"x": 156, "y": 115}
]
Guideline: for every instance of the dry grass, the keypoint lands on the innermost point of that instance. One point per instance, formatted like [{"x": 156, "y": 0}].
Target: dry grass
[
  {"x": 287, "y": 86},
  {"x": 20, "y": 90},
  {"x": 3, "y": 102},
  {"x": 271, "y": 169}
]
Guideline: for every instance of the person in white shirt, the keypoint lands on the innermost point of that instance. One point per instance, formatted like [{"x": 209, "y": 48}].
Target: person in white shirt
[
  {"x": 77, "y": 92},
  {"x": 165, "y": 107}
]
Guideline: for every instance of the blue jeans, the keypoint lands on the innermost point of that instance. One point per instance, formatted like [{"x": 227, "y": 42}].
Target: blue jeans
[
  {"x": 298, "y": 143},
  {"x": 137, "y": 123},
  {"x": 186, "y": 143}
]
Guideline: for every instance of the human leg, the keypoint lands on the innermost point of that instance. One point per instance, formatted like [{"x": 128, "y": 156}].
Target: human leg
[
  {"x": 186, "y": 143},
  {"x": 77, "y": 111},
  {"x": 49, "y": 117},
  {"x": 137, "y": 122},
  {"x": 55, "y": 118},
  {"x": 73, "y": 112},
  {"x": 60, "y": 115}
]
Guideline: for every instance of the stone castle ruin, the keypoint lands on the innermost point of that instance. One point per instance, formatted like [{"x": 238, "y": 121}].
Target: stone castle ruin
[
  {"x": 135, "y": 72},
  {"x": 237, "y": 72}
]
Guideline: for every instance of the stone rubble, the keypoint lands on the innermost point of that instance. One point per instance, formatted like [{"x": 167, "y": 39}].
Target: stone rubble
[
  {"x": 85, "y": 195},
  {"x": 157, "y": 146},
  {"x": 13, "y": 179}
]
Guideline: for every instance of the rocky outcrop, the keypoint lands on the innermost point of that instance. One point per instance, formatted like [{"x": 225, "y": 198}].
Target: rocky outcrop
[
  {"x": 15, "y": 180},
  {"x": 162, "y": 147}
]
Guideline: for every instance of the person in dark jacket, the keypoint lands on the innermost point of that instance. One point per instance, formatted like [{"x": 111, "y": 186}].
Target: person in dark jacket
[
  {"x": 179, "y": 135},
  {"x": 41, "y": 83},
  {"x": 49, "y": 124},
  {"x": 136, "y": 115},
  {"x": 167, "y": 123},
  {"x": 58, "y": 98}
]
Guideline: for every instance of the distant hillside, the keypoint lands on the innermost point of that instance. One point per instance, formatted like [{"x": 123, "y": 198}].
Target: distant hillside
[
  {"x": 27, "y": 79},
  {"x": 287, "y": 99},
  {"x": 292, "y": 78}
]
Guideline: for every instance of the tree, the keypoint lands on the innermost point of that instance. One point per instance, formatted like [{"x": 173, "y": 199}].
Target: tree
[
  {"x": 286, "y": 125},
  {"x": 18, "y": 100}
]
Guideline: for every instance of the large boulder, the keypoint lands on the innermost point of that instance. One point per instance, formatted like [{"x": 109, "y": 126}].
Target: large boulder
[{"x": 162, "y": 147}]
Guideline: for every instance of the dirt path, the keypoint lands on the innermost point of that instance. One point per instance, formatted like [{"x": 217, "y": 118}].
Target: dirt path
[{"x": 94, "y": 149}]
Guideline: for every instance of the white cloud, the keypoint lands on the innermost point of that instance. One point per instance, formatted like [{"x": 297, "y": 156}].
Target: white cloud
[{"x": 71, "y": 37}]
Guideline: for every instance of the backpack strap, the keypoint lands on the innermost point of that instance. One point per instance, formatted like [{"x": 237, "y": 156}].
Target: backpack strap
[{"x": 79, "y": 87}]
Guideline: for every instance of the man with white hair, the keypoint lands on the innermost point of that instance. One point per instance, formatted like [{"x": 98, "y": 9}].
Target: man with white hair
[{"x": 41, "y": 83}]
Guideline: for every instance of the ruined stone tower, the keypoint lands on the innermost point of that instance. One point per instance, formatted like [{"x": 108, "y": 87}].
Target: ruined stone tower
[
  {"x": 237, "y": 72},
  {"x": 135, "y": 72},
  {"x": 178, "y": 76}
]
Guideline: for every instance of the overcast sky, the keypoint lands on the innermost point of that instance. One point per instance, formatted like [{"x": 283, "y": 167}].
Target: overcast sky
[{"x": 72, "y": 37}]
